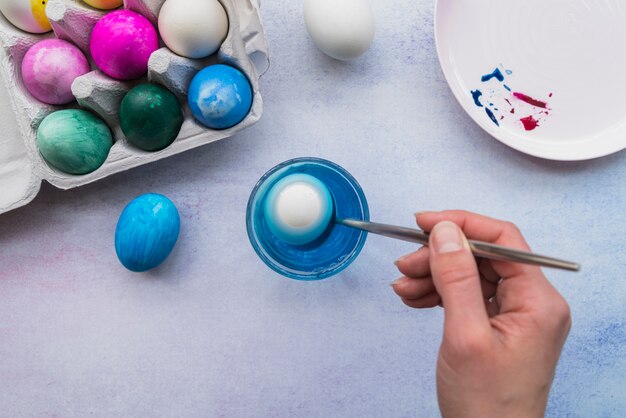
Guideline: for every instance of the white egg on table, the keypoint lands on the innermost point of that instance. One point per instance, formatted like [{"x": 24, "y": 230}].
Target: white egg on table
[
  {"x": 342, "y": 29},
  {"x": 28, "y": 15},
  {"x": 193, "y": 28}
]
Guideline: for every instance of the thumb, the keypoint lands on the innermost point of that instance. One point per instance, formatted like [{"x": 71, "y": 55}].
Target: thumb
[{"x": 457, "y": 280}]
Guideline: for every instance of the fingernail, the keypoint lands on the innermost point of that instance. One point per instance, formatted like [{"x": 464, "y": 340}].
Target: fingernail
[
  {"x": 447, "y": 237},
  {"x": 397, "y": 281},
  {"x": 401, "y": 259},
  {"x": 416, "y": 214}
]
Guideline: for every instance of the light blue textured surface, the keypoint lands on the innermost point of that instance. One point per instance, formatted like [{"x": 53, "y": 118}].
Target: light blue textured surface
[{"x": 213, "y": 332}]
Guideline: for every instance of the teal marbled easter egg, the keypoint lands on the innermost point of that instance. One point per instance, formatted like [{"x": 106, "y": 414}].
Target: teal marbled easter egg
[
  {"x": 150, "y": 117},
  {"x": 74, "y": 141}
]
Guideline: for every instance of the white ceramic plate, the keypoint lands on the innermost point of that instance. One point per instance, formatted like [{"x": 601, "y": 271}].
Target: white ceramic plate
[{"x": 564, "y": 62}]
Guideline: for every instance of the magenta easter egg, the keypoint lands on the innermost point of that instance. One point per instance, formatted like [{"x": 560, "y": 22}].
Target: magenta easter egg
[
  {"x": 50, "y": 67},
  {"x": 121, "y": 44}
]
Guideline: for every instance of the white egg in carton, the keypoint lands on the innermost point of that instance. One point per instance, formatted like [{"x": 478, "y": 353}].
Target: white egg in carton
[{"x": 22, "y": 168}]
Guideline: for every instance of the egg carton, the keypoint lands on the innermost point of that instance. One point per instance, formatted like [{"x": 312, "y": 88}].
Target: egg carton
[{"x": 22, "y": 168}]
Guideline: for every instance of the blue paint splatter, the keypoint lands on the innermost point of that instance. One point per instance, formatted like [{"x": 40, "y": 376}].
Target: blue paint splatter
[
  {"x": 497, "y": 74},
  {"x": 492, "y": 116},
  {"x": 476, "y": 96},
  {"x": 491, "y": 106}
]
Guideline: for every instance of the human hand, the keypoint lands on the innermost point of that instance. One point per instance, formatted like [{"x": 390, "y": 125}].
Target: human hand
[{"x": 504, "y": 326}]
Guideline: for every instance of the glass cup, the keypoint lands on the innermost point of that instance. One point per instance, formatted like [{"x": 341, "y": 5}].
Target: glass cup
[{"x": 333, "y": 251}]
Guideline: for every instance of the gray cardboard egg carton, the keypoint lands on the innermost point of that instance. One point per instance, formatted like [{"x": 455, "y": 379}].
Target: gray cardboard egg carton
[{"x": 22, "y": 168}]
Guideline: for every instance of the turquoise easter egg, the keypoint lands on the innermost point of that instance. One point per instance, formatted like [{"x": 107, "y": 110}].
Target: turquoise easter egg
[
  {"x": 74, "y": 141},
  {"x": 146, "y": 232}
]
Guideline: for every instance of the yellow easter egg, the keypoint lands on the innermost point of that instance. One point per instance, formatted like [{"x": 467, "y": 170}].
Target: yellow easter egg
[
  {"x": 38, "y": 8},
  {"x": 104, "y": 4},
  {"x": 28, "y": 15}
]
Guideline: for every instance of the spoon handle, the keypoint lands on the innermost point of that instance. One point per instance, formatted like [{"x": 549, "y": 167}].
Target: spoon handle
[{"x": 479, "y": 248}]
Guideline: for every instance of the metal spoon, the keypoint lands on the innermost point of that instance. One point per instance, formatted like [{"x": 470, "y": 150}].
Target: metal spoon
[{"x": 479, "y": 248}]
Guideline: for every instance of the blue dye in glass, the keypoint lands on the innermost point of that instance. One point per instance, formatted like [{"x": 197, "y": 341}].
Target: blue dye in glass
[{"x": 335, "y": 249}]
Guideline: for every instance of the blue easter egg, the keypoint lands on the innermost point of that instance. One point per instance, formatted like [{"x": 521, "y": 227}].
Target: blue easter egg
[
  {"x": 220, "y": 96},
  {"x": 146, "y": 232}
]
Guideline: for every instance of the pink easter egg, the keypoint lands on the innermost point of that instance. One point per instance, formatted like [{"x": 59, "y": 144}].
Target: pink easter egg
[
  {"x": 121, "y": 44},
  {"x": 50, "y": 67}
]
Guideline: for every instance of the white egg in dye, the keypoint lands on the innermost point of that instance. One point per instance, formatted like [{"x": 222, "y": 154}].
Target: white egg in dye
[
  {"x": 342, "y": 29},
  {"x": 298, "y": 209},
  {"x": 28, "y": 15},
  {"x": 193, "y": 28}
]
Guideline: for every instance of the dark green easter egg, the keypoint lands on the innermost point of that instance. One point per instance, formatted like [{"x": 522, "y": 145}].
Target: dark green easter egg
[
  {"x": 74, "y": 141},
  {"x": 150, "y": 117}
]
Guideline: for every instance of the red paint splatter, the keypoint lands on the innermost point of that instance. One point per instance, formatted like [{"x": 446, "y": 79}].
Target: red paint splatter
[
  {"x": 530, "y": 100},
  {"x": 510, "y": 104},
  {"x": 529, "y": 122}
]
